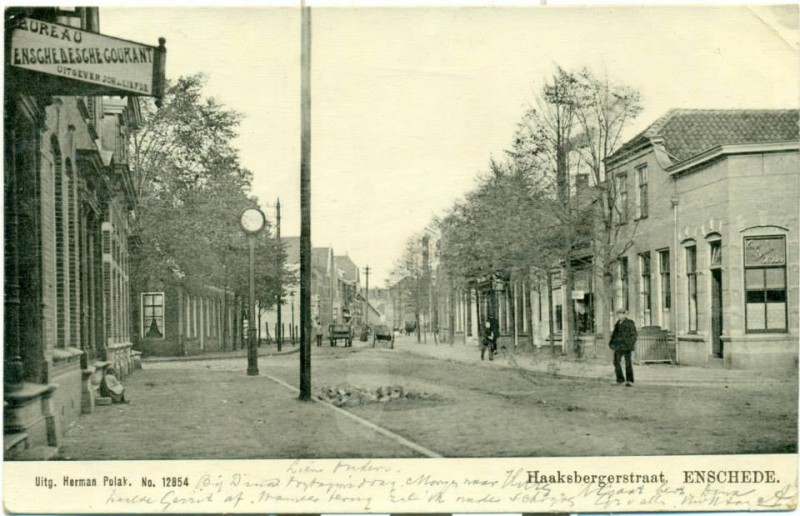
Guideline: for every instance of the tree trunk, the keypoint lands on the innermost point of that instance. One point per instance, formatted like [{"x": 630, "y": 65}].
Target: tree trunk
[
  {"x": 550, "y": 315},
  {"x": 235, "y": 328},
  {"x": 451, "y": 300},
  {"x": 529, "y": 312},
  {"x": 568, "y": 312}
]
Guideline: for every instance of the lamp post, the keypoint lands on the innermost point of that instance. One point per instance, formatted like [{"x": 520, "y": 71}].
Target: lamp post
[{"x": 252, "y": 221}]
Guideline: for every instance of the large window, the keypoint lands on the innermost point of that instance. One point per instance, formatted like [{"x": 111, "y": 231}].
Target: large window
[
  {"x": 153, "y": 315},
  {"x": 691, "y": 279},
  {"x": 641, "y": 174},
  {"x": 666, "y": 288},
  {"x": 765, "y": 284},
  {"x": 622, "y": 198},
  {"x": 647, "y": 301}
]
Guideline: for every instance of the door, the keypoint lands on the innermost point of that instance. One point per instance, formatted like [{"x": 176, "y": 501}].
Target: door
[{"x": 716, "y": 312}]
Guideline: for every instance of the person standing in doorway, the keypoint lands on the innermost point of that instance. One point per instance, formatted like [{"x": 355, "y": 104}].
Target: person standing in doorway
[{"x": 623, "y": 342}]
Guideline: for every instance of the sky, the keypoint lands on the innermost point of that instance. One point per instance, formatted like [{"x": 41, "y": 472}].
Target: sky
[{"x": 409, "y": 104}]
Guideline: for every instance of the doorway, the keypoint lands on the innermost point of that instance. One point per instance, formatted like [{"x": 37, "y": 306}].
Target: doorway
[{"x": 716, "y": 312}]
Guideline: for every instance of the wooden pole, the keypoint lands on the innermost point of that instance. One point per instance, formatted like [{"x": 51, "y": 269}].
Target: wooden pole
[
  {"x": 305, "y": 205},
  {"x": 279, "y": 301}
]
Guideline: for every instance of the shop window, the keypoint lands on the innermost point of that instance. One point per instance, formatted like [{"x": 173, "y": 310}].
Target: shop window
[
  {"x": 765, "y": 284},
  {"x": 153, "y": 315},
  {"x": 646, "y": 298},
  {"x": 691, "y": 279},
  {"x": 641, "y": 174}
]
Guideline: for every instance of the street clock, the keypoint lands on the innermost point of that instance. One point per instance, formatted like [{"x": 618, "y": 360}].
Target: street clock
[{"x": 252, "y": 220}]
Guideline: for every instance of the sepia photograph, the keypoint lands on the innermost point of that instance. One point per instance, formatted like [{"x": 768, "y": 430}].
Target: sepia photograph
[{"x": 258, "y": 256}]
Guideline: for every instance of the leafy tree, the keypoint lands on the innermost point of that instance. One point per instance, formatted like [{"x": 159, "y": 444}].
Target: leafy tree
[
  {"x": 191, "y": 190},
  {"x": 410, "y": 274},
  {"x": 528, "y": 214}
]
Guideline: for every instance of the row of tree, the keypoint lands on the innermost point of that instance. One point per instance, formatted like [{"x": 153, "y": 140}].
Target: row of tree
[
  {"x": 192, "y": 189},
  {"x": 548, "y": 200}
]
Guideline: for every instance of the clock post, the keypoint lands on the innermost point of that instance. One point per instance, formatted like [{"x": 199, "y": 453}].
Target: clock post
[{"x": 252, "y": 221}]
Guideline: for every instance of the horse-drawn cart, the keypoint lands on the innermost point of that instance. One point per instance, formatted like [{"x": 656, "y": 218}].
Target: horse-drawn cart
[{"x": 341, "y": 332}]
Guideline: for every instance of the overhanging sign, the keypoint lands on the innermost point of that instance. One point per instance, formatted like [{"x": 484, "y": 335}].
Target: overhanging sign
[{"x": 104, "y": 65}]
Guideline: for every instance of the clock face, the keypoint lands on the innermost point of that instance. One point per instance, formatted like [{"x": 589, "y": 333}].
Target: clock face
[{"x": 252, "y": 220}]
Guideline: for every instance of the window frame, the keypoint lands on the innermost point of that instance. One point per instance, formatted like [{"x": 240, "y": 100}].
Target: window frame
[
  {"x": 764, "y": 268},
  {"x": 691, "y": 287},
  {"x": 622, "y": 197},
  {"x": 142, "y": 316},
  {"x": 646, "y": 293},
  {"x": 666, "y": 278},
  {"x": 643, "y": 191},
  {"x": 624, "y": 278}
]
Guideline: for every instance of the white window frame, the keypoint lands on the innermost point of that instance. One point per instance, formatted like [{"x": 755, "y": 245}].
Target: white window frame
[{"x": 144, "y": 326}]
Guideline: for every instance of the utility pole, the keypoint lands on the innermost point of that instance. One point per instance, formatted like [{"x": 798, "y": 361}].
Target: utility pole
[
  {"x": 366, "y": 316},
  {"x": 305, "y": 204},
  {"x": 279, "y": 302}
]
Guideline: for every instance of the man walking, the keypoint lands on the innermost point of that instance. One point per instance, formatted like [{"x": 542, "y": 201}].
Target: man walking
[
  {"x": 488, "y": 340},
  {"x": 623, "y": 342}
]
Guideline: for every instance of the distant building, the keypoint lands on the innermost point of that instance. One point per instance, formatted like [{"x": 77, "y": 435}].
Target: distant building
[
  {"x": 324, "y": 285},
  {"x": 324, "y": 292},
  {"x": 172, "y": 318},
  {"x": 349, "y": 287}
]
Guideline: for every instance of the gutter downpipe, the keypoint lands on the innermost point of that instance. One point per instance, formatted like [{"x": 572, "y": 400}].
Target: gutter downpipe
[{"x": 675, "y": 203}]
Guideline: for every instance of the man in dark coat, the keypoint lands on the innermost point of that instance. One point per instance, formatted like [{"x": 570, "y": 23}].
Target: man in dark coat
[
  {"x": 623, "y": 342},
  {"x": 488, "y": 340}
]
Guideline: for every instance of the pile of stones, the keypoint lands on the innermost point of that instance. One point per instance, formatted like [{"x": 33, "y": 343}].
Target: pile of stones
[{"x": 346, "y": 395}]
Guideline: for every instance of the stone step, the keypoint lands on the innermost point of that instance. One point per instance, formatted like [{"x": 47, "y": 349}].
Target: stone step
[
  {"x": 38, "y": 453},
  {"x": 102, "y": 400},
  {"x": 716, "y": 363},
  {"x": 14, "y": 444}
]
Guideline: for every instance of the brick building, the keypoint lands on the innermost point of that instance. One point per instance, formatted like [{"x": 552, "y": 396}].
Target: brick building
[
  {"x": 715, "y": 255},
  {"x": 174, "y": 319},
  {"x": 68, "y": 198},
  {"x": 709, "y": 202}
]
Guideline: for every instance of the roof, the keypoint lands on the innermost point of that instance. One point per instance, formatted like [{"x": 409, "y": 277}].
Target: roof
[
  {"x": 292, "y": 246},
  {"x": 348, "y": 269},
  {"x": 689, "y": 132}
]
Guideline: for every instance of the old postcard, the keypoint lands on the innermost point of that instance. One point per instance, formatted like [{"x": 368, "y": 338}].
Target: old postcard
[{"x": 390, "y": 259}]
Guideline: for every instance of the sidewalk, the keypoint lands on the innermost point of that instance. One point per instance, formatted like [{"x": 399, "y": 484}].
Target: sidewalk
[
  {"x": 204, "y": 414},
  {"x": 588, "y": 368},
  {"x": 263, "y": 350}
]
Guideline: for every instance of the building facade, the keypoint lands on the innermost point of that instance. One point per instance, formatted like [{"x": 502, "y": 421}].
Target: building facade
[
  {"x": 174, "y": 319},
  {"x": 708, "y": 216},
  {"x": 714, "y": 258},
  {"x": 68, "y": 199}
]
